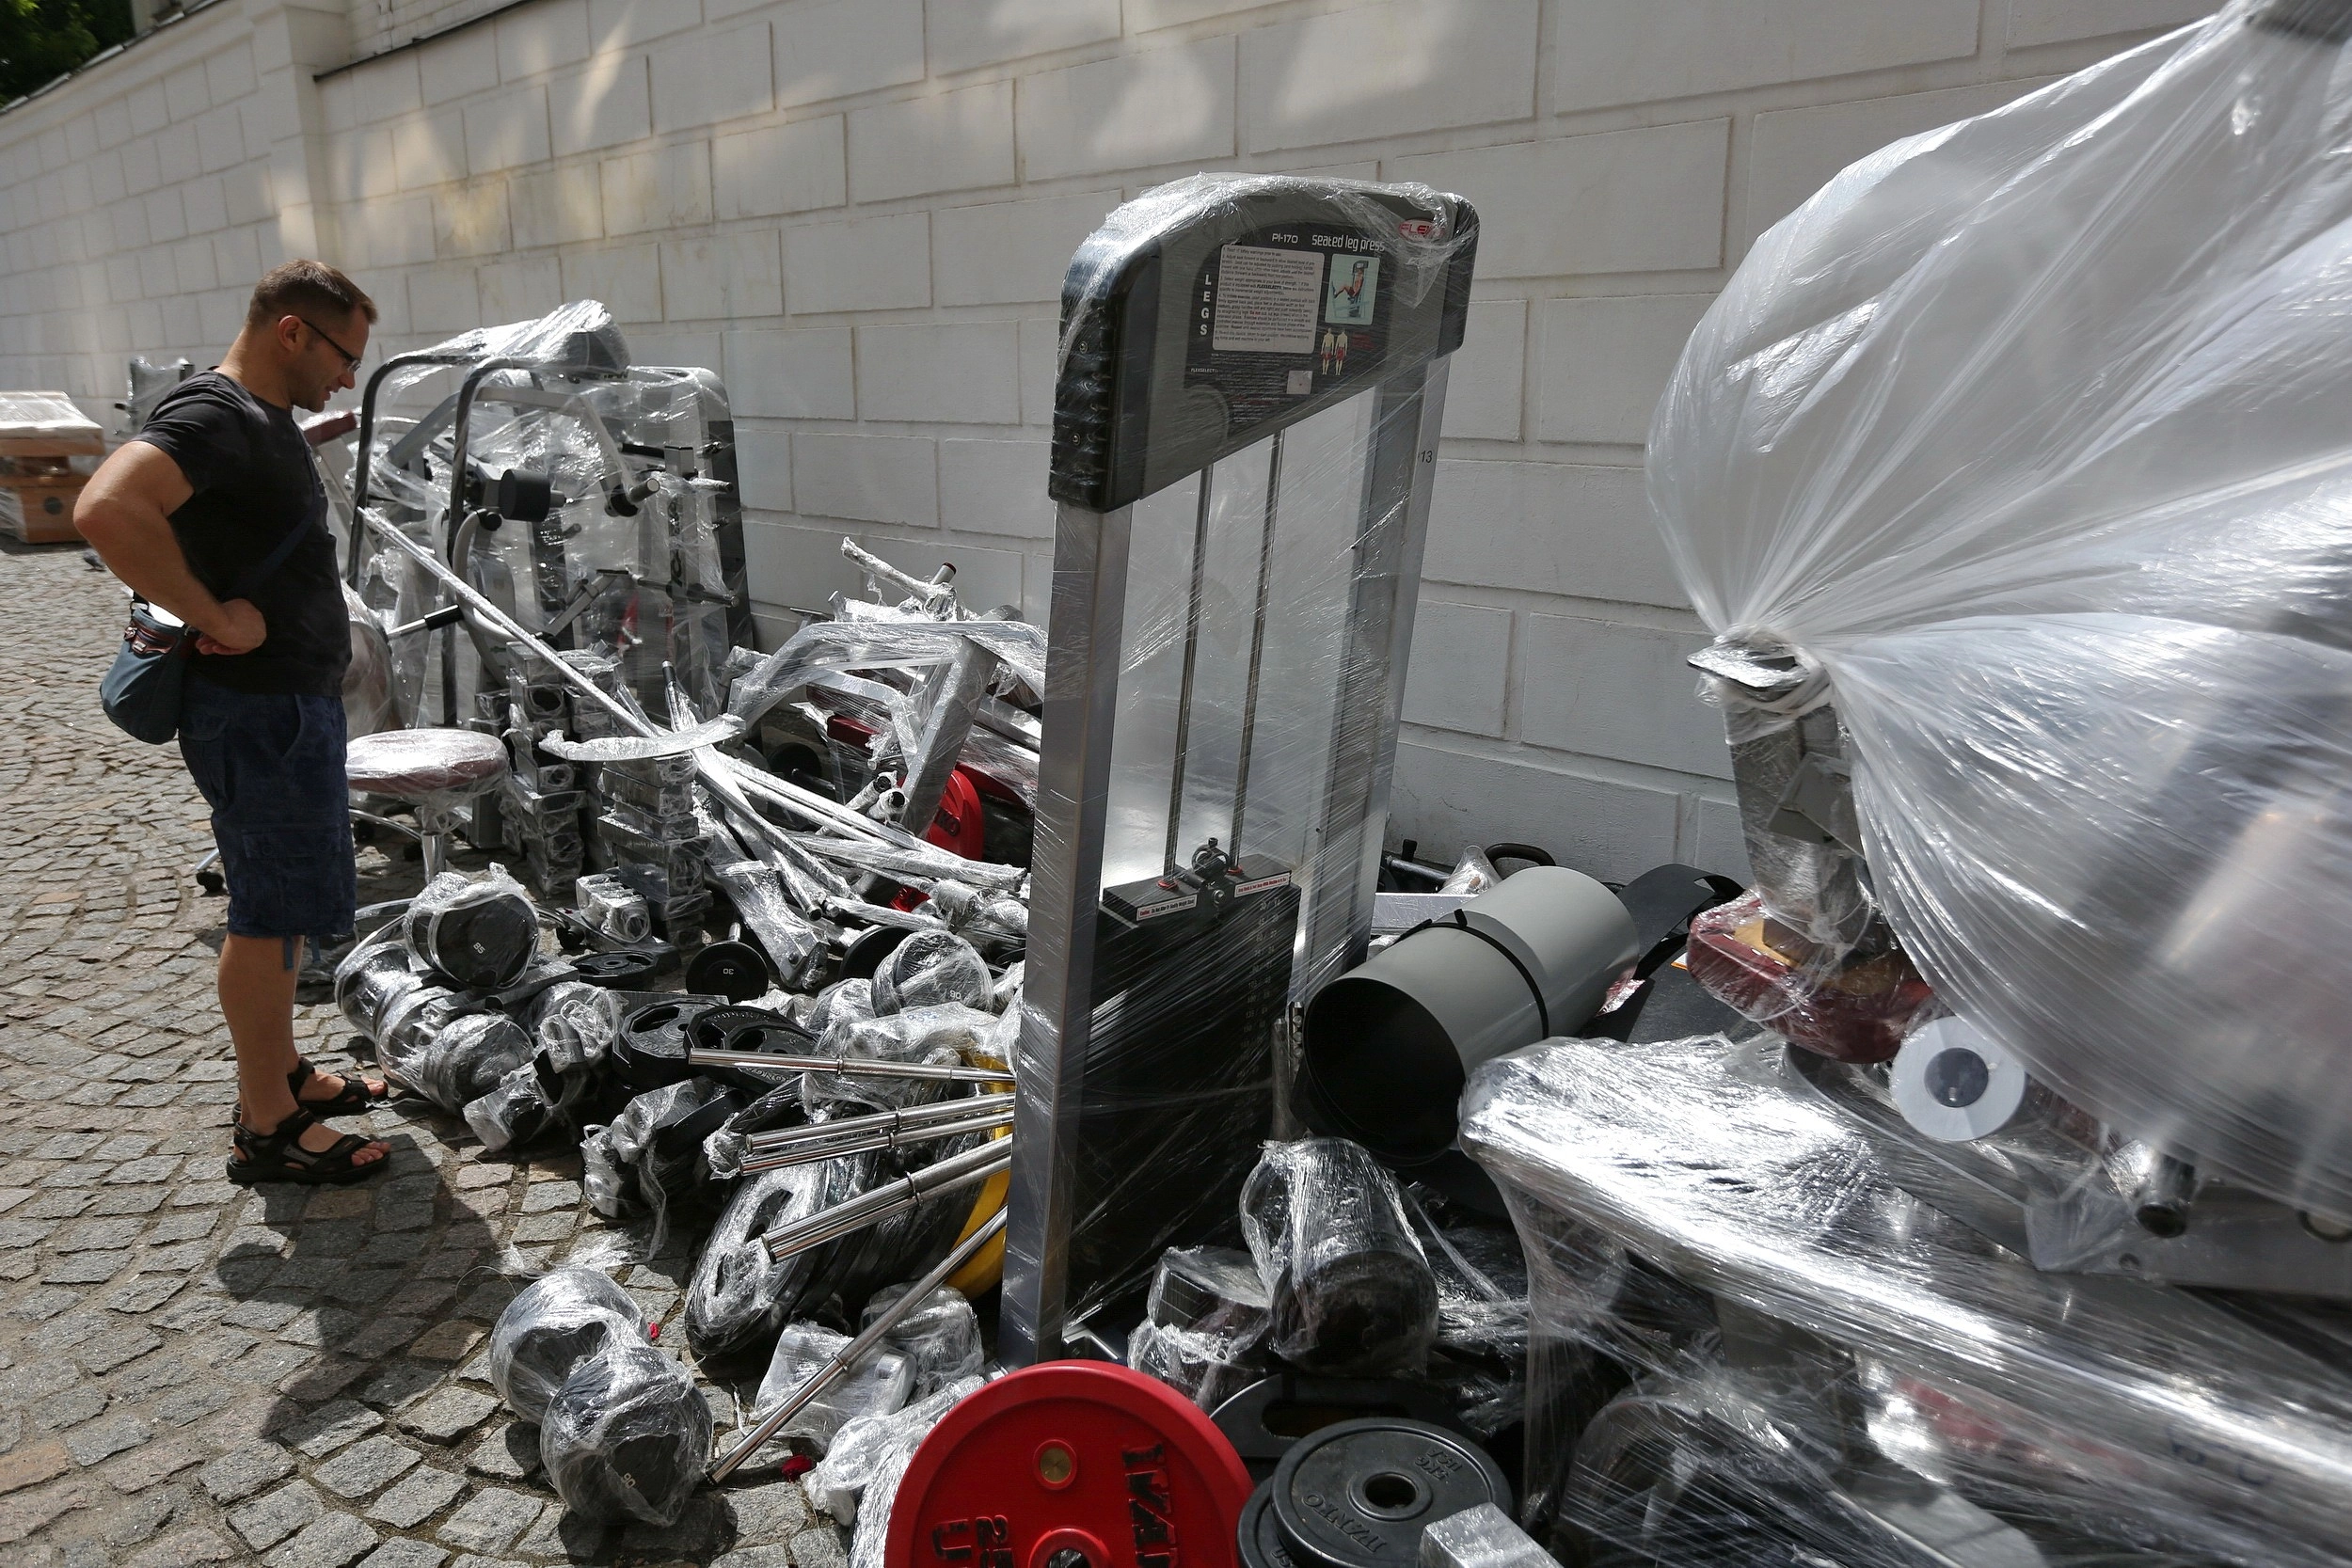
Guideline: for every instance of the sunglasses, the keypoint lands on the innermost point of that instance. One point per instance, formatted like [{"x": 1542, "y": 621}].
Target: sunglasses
[{"x": 351, "y": 360}]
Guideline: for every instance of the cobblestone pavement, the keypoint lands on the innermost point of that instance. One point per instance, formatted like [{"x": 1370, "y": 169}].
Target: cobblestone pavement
[{"x": 191, "y": 1372}]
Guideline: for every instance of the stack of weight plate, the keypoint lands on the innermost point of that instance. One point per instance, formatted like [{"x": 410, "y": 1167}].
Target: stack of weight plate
[{"x": 1358, "y": 1495}]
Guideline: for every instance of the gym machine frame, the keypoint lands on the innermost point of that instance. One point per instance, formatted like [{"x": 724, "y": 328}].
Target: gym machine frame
[{"x": 1182, "y": 346}]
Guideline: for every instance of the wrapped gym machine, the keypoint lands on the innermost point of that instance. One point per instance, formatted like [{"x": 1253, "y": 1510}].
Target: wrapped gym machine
[
  {"x": 1251, "y": 376},
  {"x": 2010, "y": 473}
]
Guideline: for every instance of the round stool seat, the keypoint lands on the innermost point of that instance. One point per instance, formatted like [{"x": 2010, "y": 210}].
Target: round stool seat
[{"x": 420, "y": 765}]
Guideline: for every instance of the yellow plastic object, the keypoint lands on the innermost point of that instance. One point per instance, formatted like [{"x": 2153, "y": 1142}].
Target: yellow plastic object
[{"x": 988, "y": 1264}]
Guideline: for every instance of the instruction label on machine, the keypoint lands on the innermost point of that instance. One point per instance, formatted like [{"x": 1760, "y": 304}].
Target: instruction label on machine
[
  {"x": 1266, "y": 301},
  {"x": 1284, "y": 313}
]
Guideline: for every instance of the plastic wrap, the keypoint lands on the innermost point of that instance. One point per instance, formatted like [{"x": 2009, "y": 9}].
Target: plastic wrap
[
  {"x": 613, "y": 909},
  {"x": 1481, "y": 1537},
  {"x": 877, "y": 1385},
  {"x": 859, "y": 1477},
  {"x": 477, "y": 933},
  {"x": 844, "y": 1001},
  {"x": 793, "y": 946},
  {"x": 1346, "y": 1279},
  {"x": 946, "y": 1036},
  {"x": 626, "y": 1436},
  {"x": 739, "y": 1295},
  {"x": 931, "y": 969},
  {"x": 1205, "y": 1324},
  {"x": 574, "y": 1024},
  {"x": 457, "y": 1062},
  {"x": 1749, "y": 1344},
  {"x": 427, "y": 767},
  {"x": 940, "y": 1337},
  {"x": 638, "y": 559},
  {"x": 555, "y": 1323},
  {"x": 2015, "y": 454},
  {"x": 518, "y": 1110}
]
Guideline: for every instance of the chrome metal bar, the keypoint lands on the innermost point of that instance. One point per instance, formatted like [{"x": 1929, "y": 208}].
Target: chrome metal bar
[
  {"x": 1257, "y": 641},
  {"x": 911, "y": 1115},
  {"x": 892, "y": 1124},
  {"x": 858, "y": 1349},
  {"x": 812, "y": 1152},
  {"x": 851, "y": 1068},
  {"x": 971, "y": 1167},
  {"x": 1192, "y": 659}
]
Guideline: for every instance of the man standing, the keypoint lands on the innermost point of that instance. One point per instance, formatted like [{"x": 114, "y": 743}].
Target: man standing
[{"x": 214, "y": 512}]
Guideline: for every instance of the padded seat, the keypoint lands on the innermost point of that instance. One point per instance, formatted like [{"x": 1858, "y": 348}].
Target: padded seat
[{"x": 421, "y": 765}]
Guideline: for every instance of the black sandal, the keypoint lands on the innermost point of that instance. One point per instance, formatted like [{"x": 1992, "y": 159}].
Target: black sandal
[
  {"x": 280, "y": 1156},
  {"x": 353, "y": 1098}
]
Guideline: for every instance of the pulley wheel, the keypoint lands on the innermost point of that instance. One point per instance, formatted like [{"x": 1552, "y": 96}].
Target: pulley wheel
[
  {"x": 1358, "y": 1495},
  {"x": 734, "y": 970},
  {"x": 616, "y": 971},
  {"x": 1260, "y": 1538},
  {"x": 1070, "y": 1464}
]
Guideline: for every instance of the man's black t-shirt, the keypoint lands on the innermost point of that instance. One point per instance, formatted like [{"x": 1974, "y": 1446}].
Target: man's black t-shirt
[{"x": 253, "y": 480}]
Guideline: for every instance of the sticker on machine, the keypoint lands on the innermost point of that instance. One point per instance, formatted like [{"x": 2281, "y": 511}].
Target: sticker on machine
[{"x": 1267, "y": 300}]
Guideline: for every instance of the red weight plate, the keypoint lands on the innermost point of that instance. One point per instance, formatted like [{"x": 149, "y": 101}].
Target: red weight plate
[{"x": 1080, "y": 1457}]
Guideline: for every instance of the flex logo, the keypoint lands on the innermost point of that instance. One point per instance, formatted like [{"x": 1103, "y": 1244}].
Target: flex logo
[{"x": 1150, "y": 1512}]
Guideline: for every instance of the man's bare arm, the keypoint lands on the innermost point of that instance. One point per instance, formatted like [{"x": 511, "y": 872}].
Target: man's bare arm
[{"x": 125, "y": 513}]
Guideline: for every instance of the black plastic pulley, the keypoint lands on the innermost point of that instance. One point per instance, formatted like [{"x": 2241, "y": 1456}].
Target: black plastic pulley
[
  {"x": 734, "y": 970},
  {"x": 649, "y": 1049},
  {"x": 628, "y": 969},
  {"x": 525, "y": 496},
  {"x": 1359, "y": 1494},
  {"x": 1265, "y": 1421}
]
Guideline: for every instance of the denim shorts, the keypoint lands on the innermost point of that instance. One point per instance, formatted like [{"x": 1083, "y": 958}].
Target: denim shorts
[{"x": 271, "y": 767}]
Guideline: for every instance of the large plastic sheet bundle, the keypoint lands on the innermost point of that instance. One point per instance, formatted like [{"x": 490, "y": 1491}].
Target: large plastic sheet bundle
[
  {"x": 859, "y": 1479},
  {"x": 1751, "y": 1344},
  {"x": 637, "y": 466},
  {"x": 1204, "y": 1326},
  {"x": 1345, "y": 1278},
  {"x": 738, "y": 1296},
  {"x": 478, "y": 933},
  {"x": 626, "y": 1436},
  {"x": 464, "y": 1058},
  {"x": 876, "y": 1385},
  {"x": 556, "y": 1322},
  {"x": 940, "y": 1337},
  {"x": 2021, "y": 447}
]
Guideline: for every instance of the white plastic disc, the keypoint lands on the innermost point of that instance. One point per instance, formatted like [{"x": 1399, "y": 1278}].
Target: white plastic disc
[{"x": 1956, "y": 1084}]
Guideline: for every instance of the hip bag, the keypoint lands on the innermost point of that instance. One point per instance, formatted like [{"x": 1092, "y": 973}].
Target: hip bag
[{"x": 141, "y": 693}]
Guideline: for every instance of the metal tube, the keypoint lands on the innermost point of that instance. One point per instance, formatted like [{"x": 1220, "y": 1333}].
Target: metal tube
[
  {"x": 812, "y": 1154},
  {"x": 911, "y": 1115},
  {"x": 1257, "y": 643},
  {"x": 971, "y": 1167},
  {"x": 1192, "y": 657},
  {"x": 851, "y": 1068},
  {"x": 857, "y": 1349}
]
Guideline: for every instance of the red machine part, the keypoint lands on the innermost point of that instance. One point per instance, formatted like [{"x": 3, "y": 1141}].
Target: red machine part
[{"x": 1071, "y": 1457}]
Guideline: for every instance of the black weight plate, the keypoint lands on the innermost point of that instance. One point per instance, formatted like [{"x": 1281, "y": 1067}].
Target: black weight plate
[
  {"x": 1359, "y": 1494},
  {"x": 627, "y": 971},
  {"x": 1266, "y": 1420},
  {"x": 486, "y": 946},
  {"x": 865, "y": 954},
  {"x": 1260, "y": 1537},
  {"x": 734, "y": 970},
  {"x": 649, "y": 1051},
  {"x": 720, "y": 1028}
]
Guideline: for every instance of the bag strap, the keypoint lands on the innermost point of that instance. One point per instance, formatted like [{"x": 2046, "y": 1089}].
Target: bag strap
[{"x": 276, "y": 557}]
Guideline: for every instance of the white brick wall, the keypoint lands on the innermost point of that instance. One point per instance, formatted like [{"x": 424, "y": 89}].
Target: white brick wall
[{"x": 860, "y": 211}]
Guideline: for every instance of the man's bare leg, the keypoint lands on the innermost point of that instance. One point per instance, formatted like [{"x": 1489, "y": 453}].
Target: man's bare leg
[{"x": 257, "y": 991}]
